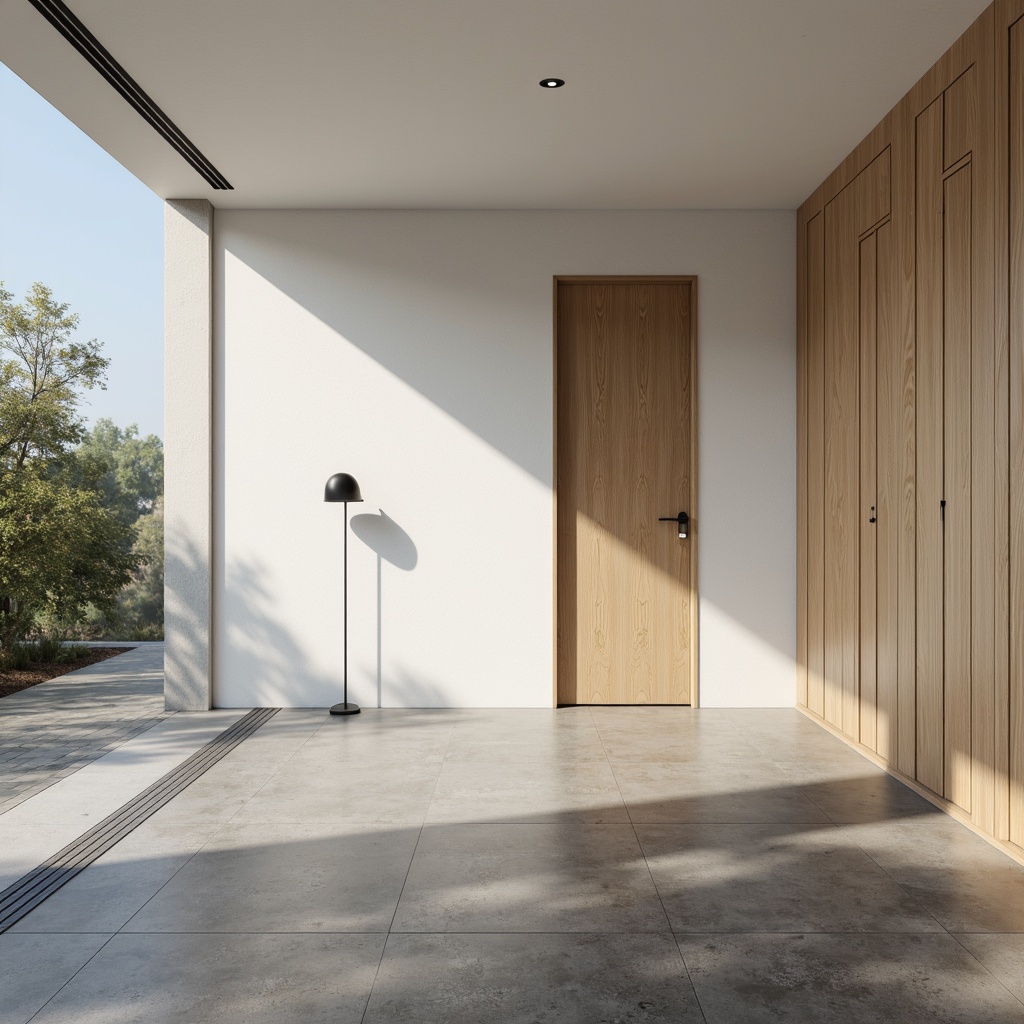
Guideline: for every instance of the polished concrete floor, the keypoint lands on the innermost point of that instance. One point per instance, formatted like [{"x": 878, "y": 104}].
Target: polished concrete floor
[{"x": 632, "y": 865}]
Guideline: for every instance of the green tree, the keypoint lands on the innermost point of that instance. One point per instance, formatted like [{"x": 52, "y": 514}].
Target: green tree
[
  {"x": 60, "y": 551},
  {"x": 43, "y": 371},
  {"x": 60, "y": 548},
  {"x": 127, "y": 470}
]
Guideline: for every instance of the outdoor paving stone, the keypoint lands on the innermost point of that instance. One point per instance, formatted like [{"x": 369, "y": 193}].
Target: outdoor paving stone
[
  {"x": 508, "y": 979},
  {"x": 34, "y": 967},
  {"x": 844, "y": 979},
  {"x": 222, "y": 979}
]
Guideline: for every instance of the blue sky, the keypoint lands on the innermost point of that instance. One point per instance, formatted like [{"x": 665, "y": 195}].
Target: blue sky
[{"x": 72, "y": 217}]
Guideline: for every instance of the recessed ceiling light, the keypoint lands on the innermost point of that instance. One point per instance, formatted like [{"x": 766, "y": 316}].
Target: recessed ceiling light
[{"x": 551, "y": 83}]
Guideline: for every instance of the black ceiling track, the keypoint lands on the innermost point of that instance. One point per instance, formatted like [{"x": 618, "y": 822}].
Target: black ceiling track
[{"x": 68, "y": 25}]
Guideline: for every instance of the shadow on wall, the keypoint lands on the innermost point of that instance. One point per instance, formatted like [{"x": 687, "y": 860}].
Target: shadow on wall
[
  {"x": 464, "y": 310},
  {"x": 265, "y": 651},
  {"x": 391, "y": 544}
]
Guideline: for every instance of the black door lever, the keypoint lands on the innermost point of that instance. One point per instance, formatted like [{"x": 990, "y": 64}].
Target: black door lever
[{"x": 682, "y": 519}]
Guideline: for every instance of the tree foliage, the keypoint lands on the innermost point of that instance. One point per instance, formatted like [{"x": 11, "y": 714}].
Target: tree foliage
[
  {"x": 43, "y": 371},
  {"x": 126, "y": 470},
  {"x": 63, "y": 545},
  {"x": 60, "y": 551}
]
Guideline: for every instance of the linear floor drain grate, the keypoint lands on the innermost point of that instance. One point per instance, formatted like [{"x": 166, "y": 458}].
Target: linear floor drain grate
[{"x": 30, "y": 890}]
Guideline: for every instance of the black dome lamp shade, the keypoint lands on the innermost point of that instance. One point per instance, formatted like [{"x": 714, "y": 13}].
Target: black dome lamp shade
[{"x": 343, "y": 487}]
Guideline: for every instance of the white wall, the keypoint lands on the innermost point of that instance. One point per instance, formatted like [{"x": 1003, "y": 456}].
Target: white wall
[{"x": 413, "y": 350}]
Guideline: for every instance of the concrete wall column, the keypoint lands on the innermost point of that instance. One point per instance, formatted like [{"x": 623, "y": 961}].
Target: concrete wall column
[{"x": 188, "y": 375}]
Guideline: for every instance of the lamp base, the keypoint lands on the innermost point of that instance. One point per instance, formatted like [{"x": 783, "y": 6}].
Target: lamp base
[{"x": 345, "y": 709}]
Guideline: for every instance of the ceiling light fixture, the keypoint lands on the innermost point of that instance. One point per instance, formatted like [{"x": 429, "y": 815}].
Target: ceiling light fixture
[{"x": 551, "y": 83}]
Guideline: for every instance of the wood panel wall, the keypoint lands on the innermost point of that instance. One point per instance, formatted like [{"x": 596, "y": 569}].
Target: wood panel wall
[{"x": 911, "y": 436}]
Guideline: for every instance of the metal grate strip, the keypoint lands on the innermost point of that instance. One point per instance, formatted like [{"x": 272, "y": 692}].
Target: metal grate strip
[{"x": 24, "y": 895}]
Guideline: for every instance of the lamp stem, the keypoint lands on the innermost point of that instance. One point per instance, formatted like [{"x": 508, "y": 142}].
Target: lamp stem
[{"x": 346, "y": 605}]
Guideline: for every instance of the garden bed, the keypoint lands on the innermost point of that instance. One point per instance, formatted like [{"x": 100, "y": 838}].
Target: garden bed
[{"x": 14, "y": 679}]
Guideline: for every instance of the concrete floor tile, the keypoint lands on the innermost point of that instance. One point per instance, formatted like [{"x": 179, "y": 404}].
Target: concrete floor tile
[
  {"x": 1003, "y": 955},
  {"x": 859, "y": 793},
  {"x": 34, "y": 967},
  {"x": 508, "y": 979},
  {"x": 769, "y": 878},
  {"x": 959, "y": 878},
  {"x": 529, "y": 878},
  {"x": 642, "y": 741},
  {"x": 701, "y": 792},
  {"x": 222, "y": 979},
  {"x": 366, "y": 739},
  {"x": 575, "y": 745},
  {"x": 218, "y": 795},
  {"x": 104, "y": 896},
  {"x": 285, "y": 878},
  {"x": 393, "y": 794},
  {"x": 844, "y": 979},
  {"x": 544, "y": 791}
]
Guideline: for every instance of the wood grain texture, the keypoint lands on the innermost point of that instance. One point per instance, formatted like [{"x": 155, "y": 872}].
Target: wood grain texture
[
  {"x": 801, "y": 470},
  {"x": 961, "y": 117},
  {"x": 903, "y": 289},
  {"x": 625, "y": 437},
  {"x": 889, "y": 372},
  {"x": 1015, "y": 323},
  {"x": 1007, "y": 13},
  {"x": 930, "y": 435},
  {"x": 842, "y": 497},
  {"x": 815, "y": 272},
  {"x": 943, "y": 699},
  {"x": 956, "y": 488},
  {"x": 989, "y": 754},
  {"x": 868, "y": 382}
]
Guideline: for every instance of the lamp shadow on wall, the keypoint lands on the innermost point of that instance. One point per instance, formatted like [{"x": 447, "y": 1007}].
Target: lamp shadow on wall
[
  {"x": 391, "y": 544},
  {"x": 466, "y": 295}
]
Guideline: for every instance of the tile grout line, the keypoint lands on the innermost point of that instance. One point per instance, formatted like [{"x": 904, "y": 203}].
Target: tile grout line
[
  {"x": 102, "y": 947},
  {"x": 26, "y": 893},
  {"x": 405, "y": 880},
  {"x": 956, "y": 938},
  {"x": 650, "y": 873}
]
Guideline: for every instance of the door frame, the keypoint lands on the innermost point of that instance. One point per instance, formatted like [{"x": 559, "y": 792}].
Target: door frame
[{"x": 691, "y": 280}]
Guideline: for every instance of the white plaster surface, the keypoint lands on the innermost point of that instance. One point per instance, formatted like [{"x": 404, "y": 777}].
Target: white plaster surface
[
  {"x": 188, "y": 358},
  {"x": 414, "y": 350}
]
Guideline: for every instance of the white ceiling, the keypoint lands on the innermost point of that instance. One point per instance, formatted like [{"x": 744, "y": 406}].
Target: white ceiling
[{"x": 435, "y": 103}]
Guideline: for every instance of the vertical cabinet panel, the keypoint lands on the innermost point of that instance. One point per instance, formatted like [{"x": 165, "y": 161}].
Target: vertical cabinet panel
[
  {"x": 842, "y": 496},
  {"x": 930, "y": 575},
  {"x": 868, "y": 490},
  {"x": 956, "y": 489},
  {"x": 815, "y": 349},
  {"x": 913, "y": 365},
  {"x": 1015, "y": 298},
  {"x": 888, "y": 481}
]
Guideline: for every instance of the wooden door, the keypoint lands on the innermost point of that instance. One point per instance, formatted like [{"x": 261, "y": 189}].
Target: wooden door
[{"x": 626, "y": 418}]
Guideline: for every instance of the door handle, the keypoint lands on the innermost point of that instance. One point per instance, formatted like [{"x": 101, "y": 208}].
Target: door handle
[{"x": 683, "y": 520}]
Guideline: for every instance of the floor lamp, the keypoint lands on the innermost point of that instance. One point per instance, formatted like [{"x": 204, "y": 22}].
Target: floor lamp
[{"x": 343, "y": 487}]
